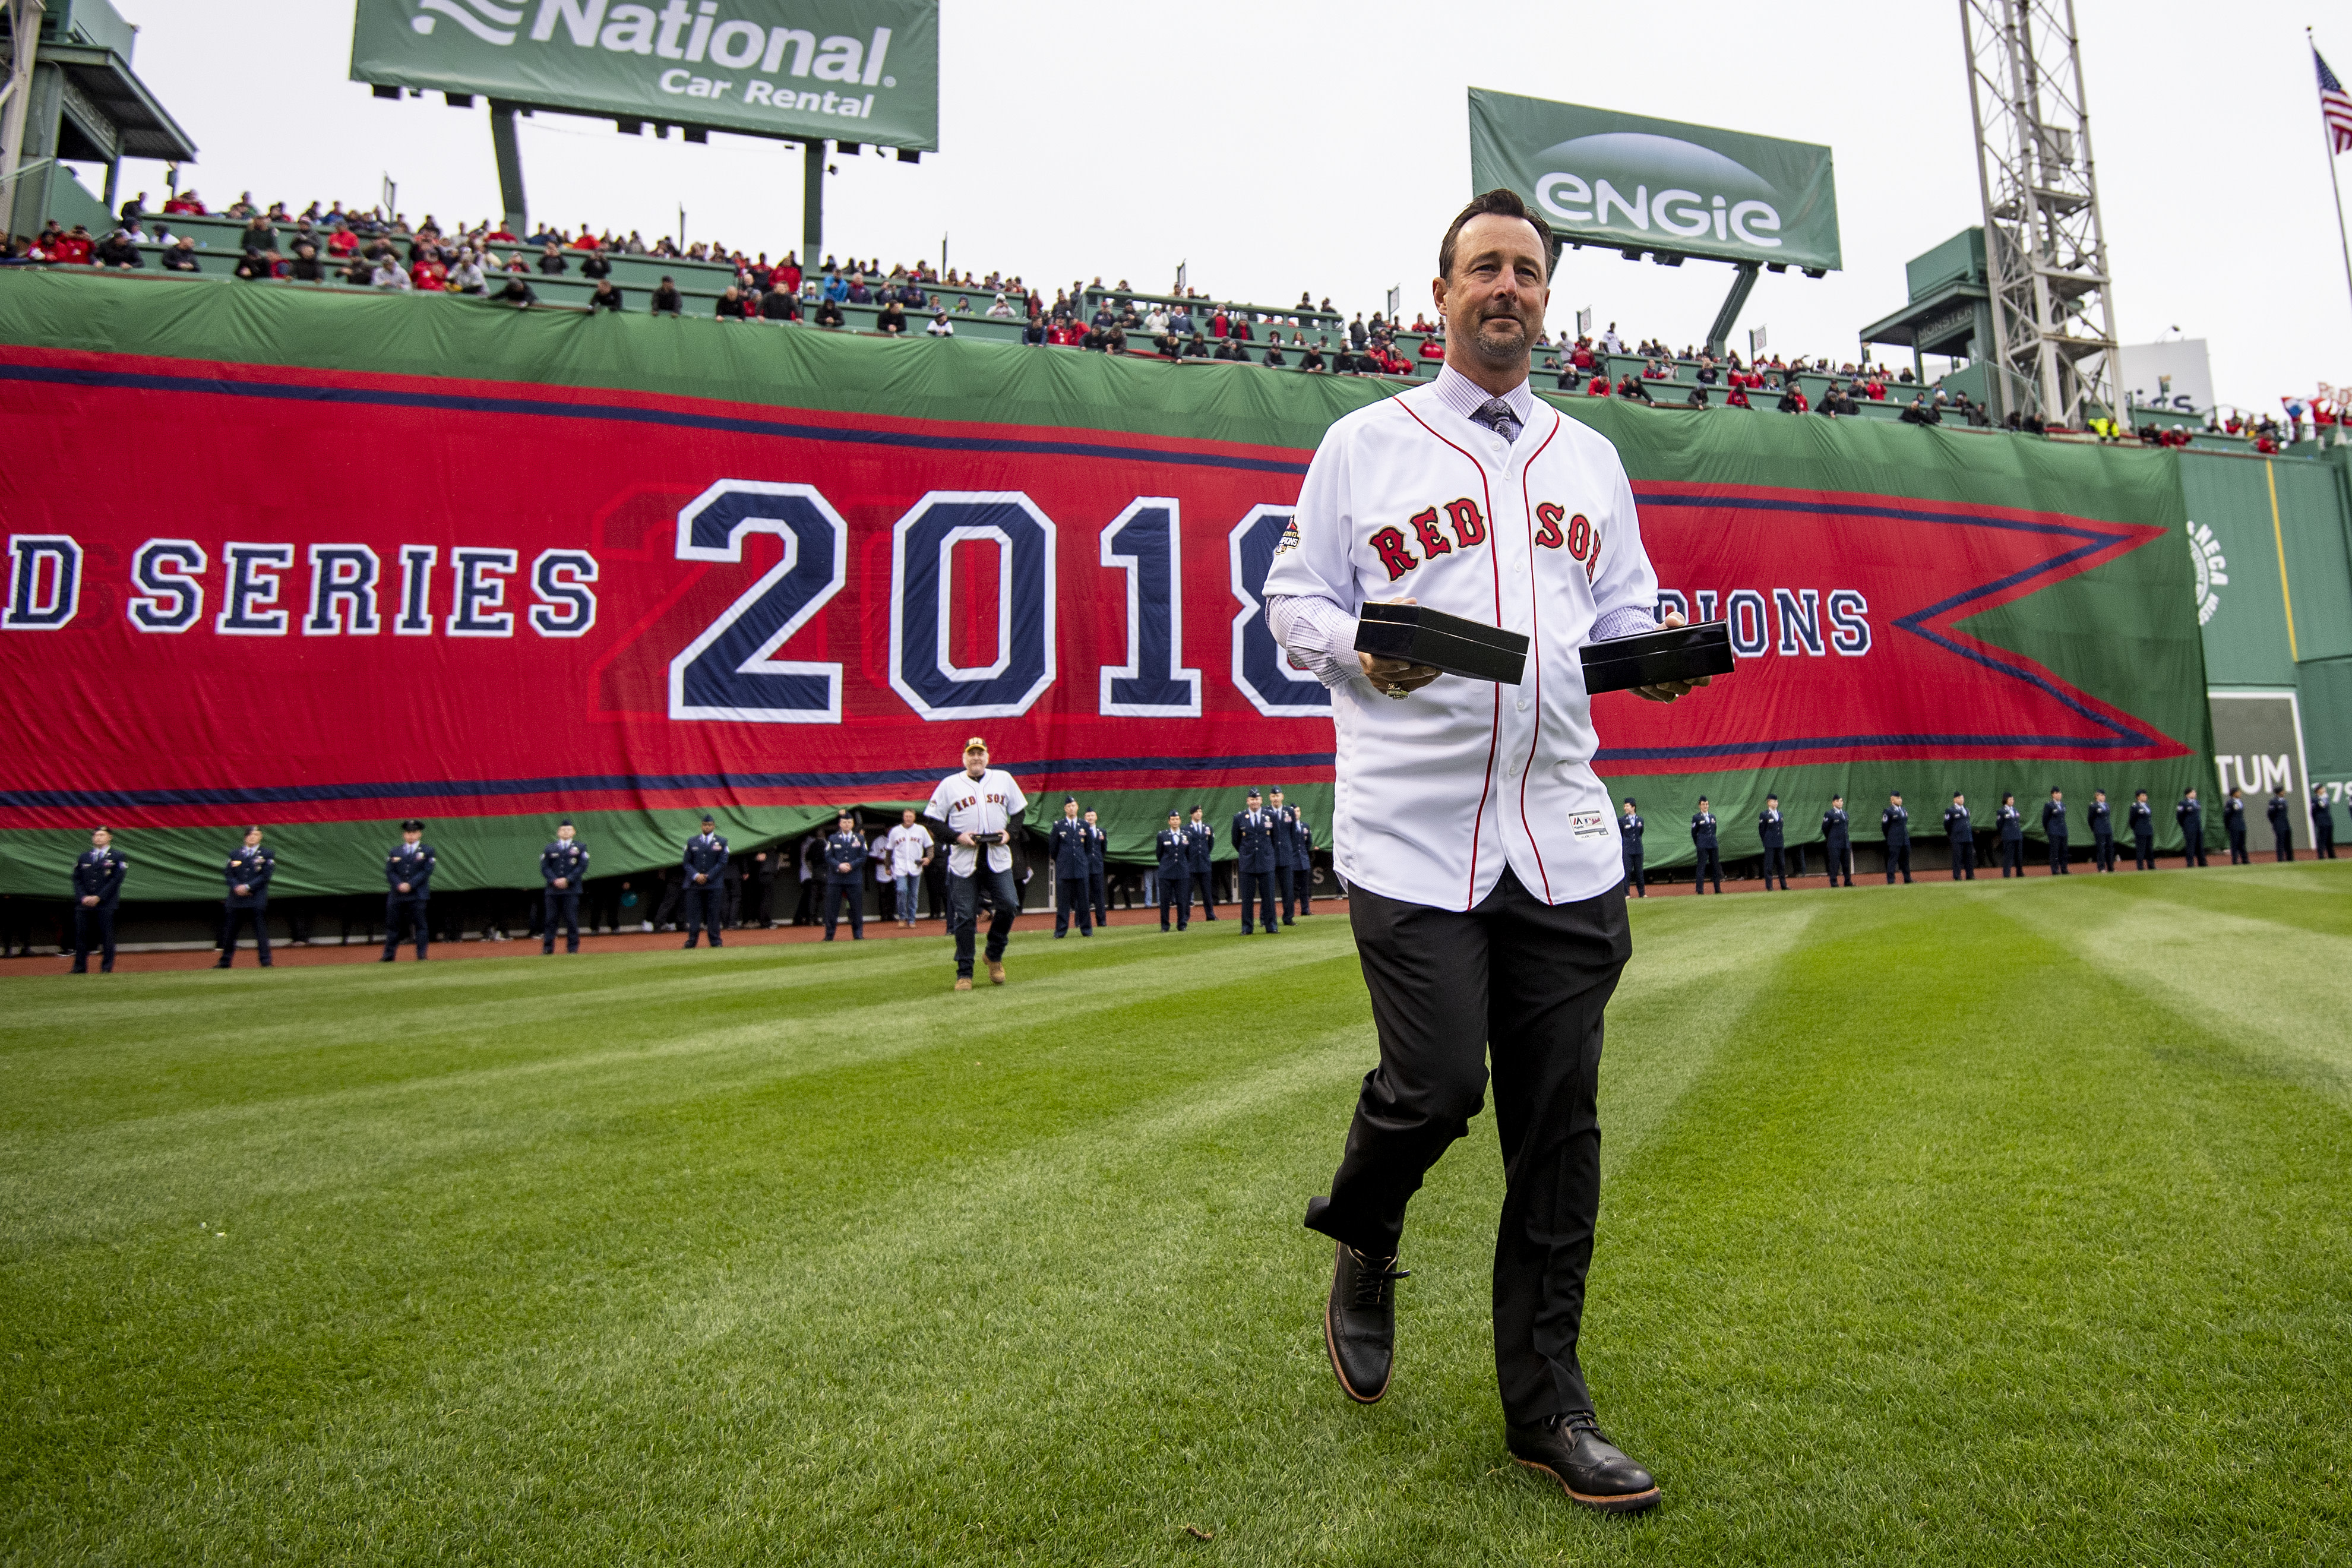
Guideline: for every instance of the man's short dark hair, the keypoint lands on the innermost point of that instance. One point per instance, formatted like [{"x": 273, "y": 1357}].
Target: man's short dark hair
[{"x": 1504, "y": 202}]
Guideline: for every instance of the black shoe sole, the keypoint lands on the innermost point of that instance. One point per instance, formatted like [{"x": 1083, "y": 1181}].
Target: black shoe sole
[
  {"x": 1332, "y": 1348},
  {"x": 1623, "y": 1502}
]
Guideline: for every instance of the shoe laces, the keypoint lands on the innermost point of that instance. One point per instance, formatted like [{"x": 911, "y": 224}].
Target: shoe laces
[
  {"x": 1568, "y": 1423},
  {"x": 1376, "y": 1280}
]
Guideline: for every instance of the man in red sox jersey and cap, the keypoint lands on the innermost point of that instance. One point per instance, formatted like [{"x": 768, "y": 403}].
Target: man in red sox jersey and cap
[{"x": 1486, "y": 882}]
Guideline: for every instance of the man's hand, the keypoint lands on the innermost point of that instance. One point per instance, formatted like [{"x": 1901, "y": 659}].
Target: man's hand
[
  {"x": 562, "y": 883},
  {"x": 967, "y": 840},
  {"x": 242, "y": 889},
  {"x": 700, "y": 878},
  {"x": 403, "y": 887},
  {"x": 1668, "y": 691},
  {"x": 89, "y": 901},
  {"x": 1396, "y": 676}
]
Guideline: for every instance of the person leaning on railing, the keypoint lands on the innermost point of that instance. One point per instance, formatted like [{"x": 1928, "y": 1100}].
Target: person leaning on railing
[{"x": 668, "y": 301}]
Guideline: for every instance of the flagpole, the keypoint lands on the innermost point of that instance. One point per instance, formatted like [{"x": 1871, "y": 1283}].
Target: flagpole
[{"x": 2327, "y": 137}]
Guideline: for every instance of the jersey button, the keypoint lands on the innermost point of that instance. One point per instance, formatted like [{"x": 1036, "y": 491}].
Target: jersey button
[{"x": 1523, "y": 704}]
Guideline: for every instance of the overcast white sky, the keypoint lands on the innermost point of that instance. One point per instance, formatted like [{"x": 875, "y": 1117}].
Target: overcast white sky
[{"x": 1324, "y": 146}]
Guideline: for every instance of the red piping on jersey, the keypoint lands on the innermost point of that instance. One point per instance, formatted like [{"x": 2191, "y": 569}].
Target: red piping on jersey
[
  {"x": 1495, "y": 723},
  {"x": 1535, "y": 621}
]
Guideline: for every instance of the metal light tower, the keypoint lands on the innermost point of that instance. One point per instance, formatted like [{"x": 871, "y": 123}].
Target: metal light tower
[{"x": 2053, "y": 315}]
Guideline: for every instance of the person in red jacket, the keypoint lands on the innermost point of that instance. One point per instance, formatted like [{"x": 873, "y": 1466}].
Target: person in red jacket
[
  {"x": 72, "y": 247},
  {"x": 787, "y": 275},
  {"x": 1737, "y": 397},
  {"x": 1597, "y": 387},
  {"x": 587, "y": 240}
]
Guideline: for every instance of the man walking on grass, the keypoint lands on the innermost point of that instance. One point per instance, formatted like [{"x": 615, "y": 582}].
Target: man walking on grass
[
  {"x": 976, "y": 808},
  {"x": 1486, "y": 895}
]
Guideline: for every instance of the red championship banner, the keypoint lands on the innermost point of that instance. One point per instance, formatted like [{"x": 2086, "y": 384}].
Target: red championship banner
[{"x": 328, "y": 595}]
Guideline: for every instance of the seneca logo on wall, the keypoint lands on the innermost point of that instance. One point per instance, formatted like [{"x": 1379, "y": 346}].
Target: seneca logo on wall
[{"x": 1658, "y": 184}]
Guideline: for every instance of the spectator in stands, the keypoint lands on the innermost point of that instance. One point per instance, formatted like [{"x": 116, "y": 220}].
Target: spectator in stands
[
  {"x": 1034, "y": 333},
  {"x": 258, "y": 236},
  {"x": 118, "y": 250},
  {"x": 550, "y": 261},
  {"x": 593, "y": 266},
  {"x": 1919, "y": 413},
  {"x": 1737, "y": 397},
  {"x": 306, "y": 267},
  {"x": 940, "y": 326},
  {"x": 254, "y": 266},
  {"x": 1599, "y": 387},
  {"x": 1697, "y": 398},
  {"x": 1229, "y": 350},
  {"x": 1313, "y": 360},
  {"x": 427, "y": 273},
  {"x": 387, "y": 273},
  {"x": 1566, "y": 379},
  {"x": 668, "y": 301},
  {"x": 1630, "y": 386},
  {"x": 732, "y": 306},
  {"x": 1792, "y": 399},
  {"x": 1000, "y": 309},
  {"x": 829, "y": 314},
  {"x": 780, "y": 304},
  {"x": 1274, "y": 353},
  {"x": 468, "y": 277},
  {"x": 1610, "y": 341},
  {"x": 516, "y": 293},
  {"x": 892, "y": 322},
  {"x": 860, "y": 294},
  {"x": 181, "y": 255},
  {"x": 606, "y": 298},
  {"x": 73, "y": 248},
  {"x": 1432, "y": 347},
  {"x": 186, "y": 201}
]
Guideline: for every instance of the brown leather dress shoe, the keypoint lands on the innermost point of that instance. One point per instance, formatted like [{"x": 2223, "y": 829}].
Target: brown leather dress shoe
[{"x": 1573, "y": 1450}]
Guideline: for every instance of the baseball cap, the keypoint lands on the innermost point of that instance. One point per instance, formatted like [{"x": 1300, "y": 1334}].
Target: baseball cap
[{"x": 974, "y": 744}]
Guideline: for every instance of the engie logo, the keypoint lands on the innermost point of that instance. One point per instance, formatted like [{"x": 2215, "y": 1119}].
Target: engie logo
[
  {"x": 1632, "y": 179},
  {"x": 2212, "y": 570}
]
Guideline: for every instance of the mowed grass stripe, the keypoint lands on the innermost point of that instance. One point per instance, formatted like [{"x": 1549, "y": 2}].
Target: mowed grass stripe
[{"x": 2065, "y": 1292}]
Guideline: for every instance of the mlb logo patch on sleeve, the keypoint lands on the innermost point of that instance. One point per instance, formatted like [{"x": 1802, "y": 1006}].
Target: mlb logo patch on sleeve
[{"x": 1589, "y": 823}]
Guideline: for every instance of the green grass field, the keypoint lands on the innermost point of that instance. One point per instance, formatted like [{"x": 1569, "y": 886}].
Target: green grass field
[{"x": 1990, "y": 1223}]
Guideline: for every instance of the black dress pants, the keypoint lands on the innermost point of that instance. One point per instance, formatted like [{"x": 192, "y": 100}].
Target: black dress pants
[
  {"x": 1775, "y": 864},
  {"x": 836, "y": 895},
  {"x": 2058, "y": 863},
  {"x": 562, "y": 908},
  {"x": 1204, "y": 883},
  {"x": 1258, "y": 886},
  {"x": 1964, "y": 859},
  {"x": 702, "y": 905},
  {"x": 963, "y": 911},
  {"x": 2142, "y": 852},
  {"x": 2012, "y": 858},
  {"x": 233, "y": 918},
  {"x": 1522, "y": 984},
  {"x": 405, "y": 911},
  {"x": 1898, "y": 858},
  {"x": 1633, "y": 877},
  {"x": 93, "y": 927},
  {"x": 2103, "y": 852},
  {"x": 1841, "y": 855},
  {"x": 1175, "y": 893},
  {"x": 1708, "y": 857},
  {"x": 1073, "y": 896},
  {"x": 1285, "y": 879}
]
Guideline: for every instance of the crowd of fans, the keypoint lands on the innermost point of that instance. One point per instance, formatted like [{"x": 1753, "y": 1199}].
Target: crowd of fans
[{"x": 367, "y": 248}]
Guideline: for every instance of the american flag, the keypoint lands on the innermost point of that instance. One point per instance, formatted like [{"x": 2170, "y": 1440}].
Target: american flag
[{"x": 2334, "y": 106}]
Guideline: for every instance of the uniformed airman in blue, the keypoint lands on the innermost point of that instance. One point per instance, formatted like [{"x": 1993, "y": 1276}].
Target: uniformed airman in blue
[
  {"x": 2053, "y": 826},
  {"x": 1098, "y": 874},
  {"x": 1202, "y": 840},
  {"x": 2233, "y": 824},
  {"x": 408, "y": 880},
  {"x": 1070, "y": 845},
  {"x": 2323, "y": 824},
  {"x": 1895, "y": 823},
  {"x": 2190, "y": 814},
  {"x": 1836, "y": 828},
  {"x": 1285, "y": 852},
  {"x": 844, "y": 878},
  {"x": 247, "y": 877},
  {"x": 2103, "y": 832},
  {"x": 563, "y": 867},
  {"x": 1961, "y": 834},
  {"x": 1703, "y": 841},
  {"x": 98, "y": 890},
  {"x": 2012, "y": 825},
  {"x": 2281, "y": 825},
  {"x": 1305, "y": 860},
  {"x": 1252, "y": 843},
  {"x": 1771, "y": 832},
  {"x": 705, "y": 868},
  {"x": 2142, "y": 822},
  {"x": 1629, "y": 837},
  {"x": 1175, "y": 872}
]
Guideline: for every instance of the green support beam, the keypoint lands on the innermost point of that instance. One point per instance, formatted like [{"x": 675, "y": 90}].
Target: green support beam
[{"x": 510, "y": 154}]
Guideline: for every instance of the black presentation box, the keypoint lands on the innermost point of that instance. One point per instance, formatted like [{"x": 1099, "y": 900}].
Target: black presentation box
[
  {"x": 1449, "y": 643},
  {"x": 1648, "y": 658}
]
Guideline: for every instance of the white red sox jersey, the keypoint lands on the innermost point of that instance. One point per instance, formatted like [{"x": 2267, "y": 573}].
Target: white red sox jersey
[
  {"x": 985, "y": 804},
  {"x": 1439, "y": 790}
]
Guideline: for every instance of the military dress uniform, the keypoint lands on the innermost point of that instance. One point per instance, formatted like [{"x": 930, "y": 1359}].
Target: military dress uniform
[
  {"x": 1894, "y": 823},
  {"x": 409, "y": 866},
  {"x": 96, "y": 875},
  {"x": 1770, "y": 831},
  {"x": 1201, "y": 843},
  {"x": 1253, "y": 840},
  {"x": 1097, "y": 881},
  {"x": 1175, "y": 877},
  {"x": 2102, "y": 835},
  {"x": 2141, "y": 820},
  {"x": 2053, "y": 824},
  {"x": 1703, "y": 841},
  {"x": 2281, "y": 826},
  {"x": 2012, "y": 823},
  {"x": 1629, "y": 837},
  {"x": 1961, "y": 834},
  {"x": 2323, "y": 824},
  {"x": 567, "y": 861},
  {"x": 1285, "y": 858},
  {"x": 2233, "y": 826},
  {"x": 1306, "y": 858},
  {"x": 1073, "y": 875},
  {"x": 841, "y": 849},
  {"x": 706, "y": 857},
  {"x": 250, "y": 869},
  {"x": 1838, "y": 844}
]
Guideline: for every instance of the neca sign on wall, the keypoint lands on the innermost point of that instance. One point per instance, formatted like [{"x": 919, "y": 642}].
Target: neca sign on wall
[
  {"x": 857, "y": 70},
  {"x": 1603, "y": 178}
]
